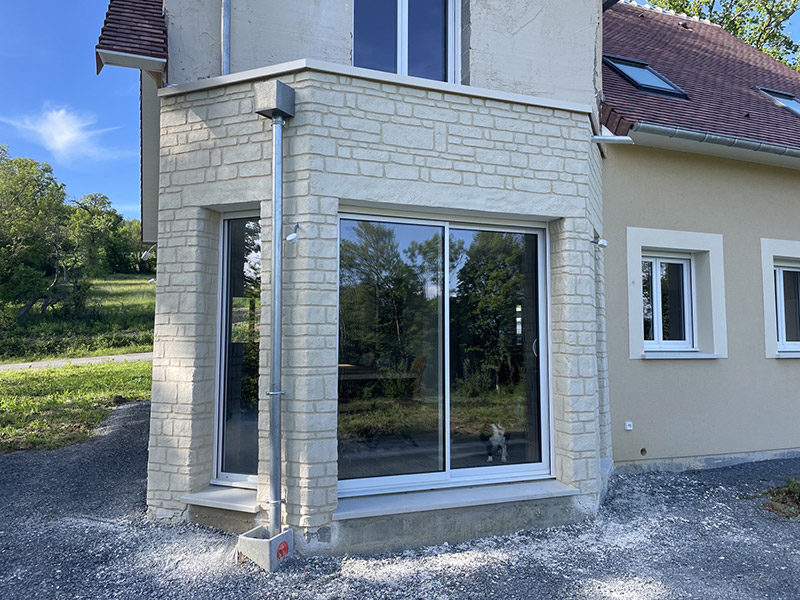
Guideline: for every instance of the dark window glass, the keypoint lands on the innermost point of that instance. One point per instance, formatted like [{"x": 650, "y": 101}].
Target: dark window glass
[
  {"x": 494, "y": 364},
  {"x": 427, "y": 39},
  {"x": 241, "y": 334},
  {"x": 375, "y": 35},
  {"x": 791, "y": 304},
  {"x": 673, "y": 311},
  {"x": 391, "y": 356},
  {"x": 647, "y": 299}
]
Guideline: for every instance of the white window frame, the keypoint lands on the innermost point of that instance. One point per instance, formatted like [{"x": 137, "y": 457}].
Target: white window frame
[
  {"x": 453, "y": 40},
  {"x": 777, "y": 255},
  {"x": 218, "y": 476},
  {"x": 658, "y": 343},
  {"x": 709, "y": 337},
  {"x": 784, "y": 345},
  {"x": 450, "y": 478}
]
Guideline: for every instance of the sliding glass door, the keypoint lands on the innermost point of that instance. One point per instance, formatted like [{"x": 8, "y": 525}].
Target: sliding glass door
[
  {"x": 439, "y": 363},
  {"x": 237, "y": 417}
]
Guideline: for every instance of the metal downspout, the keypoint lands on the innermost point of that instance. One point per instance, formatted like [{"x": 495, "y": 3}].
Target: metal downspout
[
  {"x": 275, "y": 100},
  {"x": 276, "y": 333},
  {"x": 225, "y": 37}
]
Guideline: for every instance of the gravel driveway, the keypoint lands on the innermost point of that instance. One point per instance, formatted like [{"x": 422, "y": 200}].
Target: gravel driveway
[{"x": 72, "y": 526}]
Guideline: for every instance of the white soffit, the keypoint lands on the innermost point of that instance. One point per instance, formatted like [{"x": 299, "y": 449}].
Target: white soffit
[{"x": 133, "y": 61}]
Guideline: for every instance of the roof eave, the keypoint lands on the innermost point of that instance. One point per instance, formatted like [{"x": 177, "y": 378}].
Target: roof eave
[
  {"x": 125, "y": 59},
  {"x": 705, "y": 142}
]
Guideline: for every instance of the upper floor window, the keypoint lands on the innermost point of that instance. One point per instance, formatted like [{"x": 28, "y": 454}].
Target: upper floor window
[{"x": 407, "y": 37}]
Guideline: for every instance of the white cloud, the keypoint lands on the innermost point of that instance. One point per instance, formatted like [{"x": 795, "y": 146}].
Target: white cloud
[{"x": 66, "y": 134}]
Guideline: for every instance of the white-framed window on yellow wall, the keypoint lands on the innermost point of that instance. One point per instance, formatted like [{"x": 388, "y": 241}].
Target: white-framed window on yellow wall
[
  {"x": 780, "y": 265},
  {"x": 676, "y": 294}
]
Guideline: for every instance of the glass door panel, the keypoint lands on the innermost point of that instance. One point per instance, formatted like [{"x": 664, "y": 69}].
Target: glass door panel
[
  {"x": 495, "y": 412},
  {"x": 391, "y": 357},
  {"x": 241, "y": 325}
]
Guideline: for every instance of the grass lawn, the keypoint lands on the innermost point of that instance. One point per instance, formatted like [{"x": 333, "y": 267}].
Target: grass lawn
[
  {"x": 118, "y": 319},
  {"x": 44, "y": 409}
]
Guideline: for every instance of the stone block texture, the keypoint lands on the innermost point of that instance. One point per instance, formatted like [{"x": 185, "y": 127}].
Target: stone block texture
[{"x": 364, "y": 146}]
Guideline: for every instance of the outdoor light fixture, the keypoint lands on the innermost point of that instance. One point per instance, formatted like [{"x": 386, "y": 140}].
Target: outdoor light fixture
[
  {"x": 292, "y": 237},
  {"x": 147, "y": 253},
  {"x": 601, "y": 243}
]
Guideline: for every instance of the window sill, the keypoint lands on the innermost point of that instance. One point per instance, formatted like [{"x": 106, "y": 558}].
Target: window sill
[
  {"x": 689, "y": 354},
  {"x": 787, "y": 354},
  {"x": 226, "y": 498},
  {"x": 482, "y": 495}
]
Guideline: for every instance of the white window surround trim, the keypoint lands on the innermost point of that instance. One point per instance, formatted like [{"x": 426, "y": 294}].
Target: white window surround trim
[
  {"x": 773, "y": 251},
  {"x": 709, "y": 294}
]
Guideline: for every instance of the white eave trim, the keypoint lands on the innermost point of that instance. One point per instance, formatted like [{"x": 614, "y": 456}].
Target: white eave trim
[
  {"x": 712, "y": 144},
  {"x": 348, "y": 71},
  {"x": 133, "y": 61}
]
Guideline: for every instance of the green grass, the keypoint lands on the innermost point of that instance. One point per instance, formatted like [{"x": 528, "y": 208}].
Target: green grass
[
  {"x": 785, "y": 500},
  {"x": 118, "y": 320},
  {"x": 44, "y": 409}
]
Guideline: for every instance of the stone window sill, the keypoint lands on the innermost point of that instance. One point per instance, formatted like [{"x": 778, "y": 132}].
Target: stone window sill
[
  {"x": 226, "y": 498},
  {"x": 481, "y": 495}
]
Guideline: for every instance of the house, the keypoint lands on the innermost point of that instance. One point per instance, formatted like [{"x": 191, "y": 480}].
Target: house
[
  {"x": 441, "y": 182},
  {"x": 703, "y": 219}
]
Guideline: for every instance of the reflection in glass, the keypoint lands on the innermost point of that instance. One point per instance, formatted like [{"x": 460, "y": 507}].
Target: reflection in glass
[
  {"x": 494, "y": 367},
  {"x": 672, "y": 301},
  {"x": 391, "y": 396},
  {"x": 791, "y": 304},
  {"x": 243, "y": 312},
  {"x": 427, "y": 39},
  {"x": 647, "y": 299},
  {"x": 375, "y": 35}
]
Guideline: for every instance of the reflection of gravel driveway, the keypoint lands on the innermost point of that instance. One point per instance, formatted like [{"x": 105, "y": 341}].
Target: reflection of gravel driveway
[{"x": 71, "y": 526}]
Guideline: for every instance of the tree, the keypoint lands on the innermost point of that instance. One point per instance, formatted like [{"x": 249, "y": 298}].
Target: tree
[
  {"x": 31, "y": 231},
  {"x": 760, "y": 23}
]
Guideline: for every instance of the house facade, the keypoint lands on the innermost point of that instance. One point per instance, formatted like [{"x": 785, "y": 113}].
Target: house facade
[
  {"x": 444, "y": 367},
  {"x": 461, "y": 353}
]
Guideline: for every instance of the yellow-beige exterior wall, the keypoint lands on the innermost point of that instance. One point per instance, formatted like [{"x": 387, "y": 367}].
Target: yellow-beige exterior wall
[{"x": 684, "y": 411}]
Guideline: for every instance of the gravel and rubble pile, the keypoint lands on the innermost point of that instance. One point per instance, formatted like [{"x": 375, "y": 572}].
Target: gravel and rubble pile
[{"x": 72, "y": 526}]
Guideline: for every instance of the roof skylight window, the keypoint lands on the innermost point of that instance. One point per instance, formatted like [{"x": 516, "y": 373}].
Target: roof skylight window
[
  {"x": 643, "y": 76},
  {"x": 788, "y": 100}
]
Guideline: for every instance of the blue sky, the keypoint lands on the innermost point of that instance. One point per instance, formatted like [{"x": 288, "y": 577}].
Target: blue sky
[{"x": 55, "y": 109}]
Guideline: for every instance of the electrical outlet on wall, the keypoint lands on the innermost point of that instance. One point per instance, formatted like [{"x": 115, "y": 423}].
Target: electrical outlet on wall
[{"x": 628, "y": 425}]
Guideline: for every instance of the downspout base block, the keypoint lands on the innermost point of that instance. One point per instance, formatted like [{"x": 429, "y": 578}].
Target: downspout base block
[{"x": 268, "y": 553}]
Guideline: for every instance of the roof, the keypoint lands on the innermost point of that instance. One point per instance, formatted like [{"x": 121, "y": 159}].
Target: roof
[
  {"x": 134, "y": 27},
  {"x": 720, "y": 74}
]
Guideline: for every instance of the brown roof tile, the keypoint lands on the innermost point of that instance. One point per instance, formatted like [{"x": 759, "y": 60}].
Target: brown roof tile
[
  {"x": 720, "y": 73},
  {"x": 135, "y": 27}
]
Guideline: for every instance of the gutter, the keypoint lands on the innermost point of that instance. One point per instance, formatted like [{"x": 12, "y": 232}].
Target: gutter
[{"x": 706, "y": 137}]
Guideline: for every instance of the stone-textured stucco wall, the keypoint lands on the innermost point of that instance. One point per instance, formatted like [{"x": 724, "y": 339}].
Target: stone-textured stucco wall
[
  {"x": 361, "y": 145},
  {"x": 548, "y": 49},
  {"x": 680, "y": 409}
]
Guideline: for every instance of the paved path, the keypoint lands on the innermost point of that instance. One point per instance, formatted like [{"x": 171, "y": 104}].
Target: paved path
[{"x": 88, "y": 360}]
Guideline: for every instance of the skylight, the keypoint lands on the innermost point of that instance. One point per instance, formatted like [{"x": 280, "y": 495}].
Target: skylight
[
  {"x": 643, "y": 76},
  {"x": 788, "y": 100}
]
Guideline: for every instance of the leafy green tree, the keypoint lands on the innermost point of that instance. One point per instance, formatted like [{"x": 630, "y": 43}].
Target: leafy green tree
[
  {"x": 32, "y": 212},
  {"x": 92, "y": 225},
  {"x": 760, "y": 23}
]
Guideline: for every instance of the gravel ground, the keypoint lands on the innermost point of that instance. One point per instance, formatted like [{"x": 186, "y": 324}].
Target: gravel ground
[{"x": 72, "y": 526}]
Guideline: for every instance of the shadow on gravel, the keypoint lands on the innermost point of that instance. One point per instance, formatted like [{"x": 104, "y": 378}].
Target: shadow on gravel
[{"x": 72, "y": 526}]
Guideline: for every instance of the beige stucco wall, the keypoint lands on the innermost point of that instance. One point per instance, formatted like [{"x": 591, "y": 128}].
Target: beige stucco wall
[
  {"x": 688, "y": 408},
  {"x": 547, "y": 49}
]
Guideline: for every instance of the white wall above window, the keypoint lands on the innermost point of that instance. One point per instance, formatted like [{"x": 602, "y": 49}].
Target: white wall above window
[
  {"x": 705, "y": 302},
  {"x": 781, "y": 254}
]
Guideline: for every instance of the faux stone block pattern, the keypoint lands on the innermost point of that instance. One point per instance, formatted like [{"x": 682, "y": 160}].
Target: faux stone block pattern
[{"x": 368, "y": 147}]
